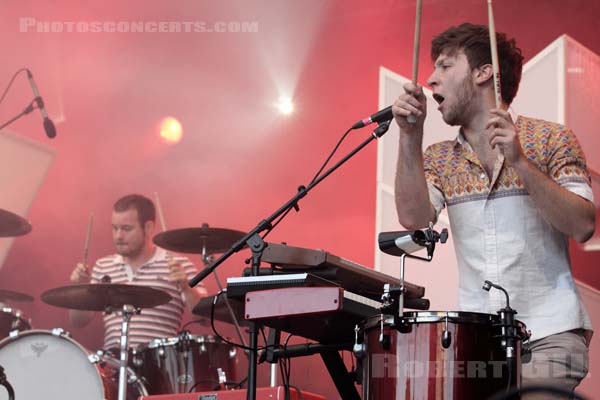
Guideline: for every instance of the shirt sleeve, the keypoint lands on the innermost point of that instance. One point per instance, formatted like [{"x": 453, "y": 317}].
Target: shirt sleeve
[
  {"x": 434, "y": 183},
  {"x": 567, "y": 165}
]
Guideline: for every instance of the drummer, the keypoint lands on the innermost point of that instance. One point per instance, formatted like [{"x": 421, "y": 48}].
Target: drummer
[
  {"x": 137, "y": 261},
  {"x": 516, "y": 189}
]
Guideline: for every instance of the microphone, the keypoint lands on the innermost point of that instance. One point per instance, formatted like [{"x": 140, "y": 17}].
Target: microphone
[
  {"x": 48, "y": 124},
  {"x": 379, "y": 116}
]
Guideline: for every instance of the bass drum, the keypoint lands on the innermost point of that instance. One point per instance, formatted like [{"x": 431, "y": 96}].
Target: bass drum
[
  {"x": 436, "y": 355},
  {"x": 50, "y": 365}
]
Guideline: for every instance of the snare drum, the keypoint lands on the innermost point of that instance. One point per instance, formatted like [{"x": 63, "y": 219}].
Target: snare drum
[
  {"x": 413, "y": 361},
  {"x": 50, "y": 365},
  {"x": 11, "y": 320},
  {"x": 184, "y": 363}
]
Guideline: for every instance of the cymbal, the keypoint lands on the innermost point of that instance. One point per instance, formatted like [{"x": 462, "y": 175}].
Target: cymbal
[
  {"x": 13, "y": 225},
  {"x": 14, "y": 296},
  {"x": 205, "y": 240},
  {"x": 100, "y": 296}
]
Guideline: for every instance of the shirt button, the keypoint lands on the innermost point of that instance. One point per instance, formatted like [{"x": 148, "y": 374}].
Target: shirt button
[{"x": 482, "y": 175}]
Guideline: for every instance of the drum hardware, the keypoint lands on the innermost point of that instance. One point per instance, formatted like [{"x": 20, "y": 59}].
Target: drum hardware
[
  {"x": 446, "y": 335},
  {"x": 359, "y": 349},
  {"x": 402, "y": 244},
  {"x": 509, "y": 335}
]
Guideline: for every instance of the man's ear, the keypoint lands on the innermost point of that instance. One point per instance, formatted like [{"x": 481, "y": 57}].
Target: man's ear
[
  {"x": 148, "y": 227},
  {"x": 483, "y": 74}
]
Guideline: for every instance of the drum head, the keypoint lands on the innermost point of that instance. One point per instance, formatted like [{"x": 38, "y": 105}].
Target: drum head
[{"x": 41, "y": 365}]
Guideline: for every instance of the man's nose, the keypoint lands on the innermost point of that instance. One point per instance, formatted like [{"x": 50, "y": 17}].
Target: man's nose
[{"x": 433, "y": 79}]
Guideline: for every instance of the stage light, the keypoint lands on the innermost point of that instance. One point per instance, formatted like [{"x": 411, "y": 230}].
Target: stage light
[
  {"x": 170, "y": 130},
  {"x": 285, "y": 105}
]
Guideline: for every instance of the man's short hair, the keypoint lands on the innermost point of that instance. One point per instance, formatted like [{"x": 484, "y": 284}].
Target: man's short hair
[
  {"x": 474, "y": 41},
  {"x": 143, "y": 205}
]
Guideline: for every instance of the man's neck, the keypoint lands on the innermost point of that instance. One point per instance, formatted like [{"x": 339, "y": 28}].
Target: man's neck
[
  {"x": 143, "y": 257},
  {"x": 475, "y": 130}
]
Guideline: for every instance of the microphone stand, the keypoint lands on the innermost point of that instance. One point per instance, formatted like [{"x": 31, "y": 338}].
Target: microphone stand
[
  {"x": 257, "y": 245},
  {"x": 26, "y": 111}
]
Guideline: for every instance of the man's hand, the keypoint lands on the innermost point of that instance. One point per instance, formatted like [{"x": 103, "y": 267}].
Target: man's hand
[
  {"x": 177, "y": 273},
  {"x": 412, "y": 102},
  {"x": 504, "y": 135},
  {"x": 81, "y": 274}
]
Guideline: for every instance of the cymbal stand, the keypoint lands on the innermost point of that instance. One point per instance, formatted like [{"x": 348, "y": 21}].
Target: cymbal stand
[{"x": 127, "y": 311}]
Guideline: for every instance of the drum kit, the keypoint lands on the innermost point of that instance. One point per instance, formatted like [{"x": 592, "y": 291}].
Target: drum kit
[
  {"x": 51, "y": 364},
  {"x": 427, "y": 354}
]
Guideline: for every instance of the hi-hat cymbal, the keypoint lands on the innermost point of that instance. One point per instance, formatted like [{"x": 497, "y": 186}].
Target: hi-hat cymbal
[
  {"x": 14, "y": 296},
  {"x": 13, "y": 225},
  {"x": 100, "y": 296},
  {"x": 204, "y": 240}
]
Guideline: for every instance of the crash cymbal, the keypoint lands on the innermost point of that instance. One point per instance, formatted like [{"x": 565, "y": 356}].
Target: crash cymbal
[
  {"x": 100, "y": 296},
  {"x": 205, "y": 240},
  {"x": 13, "y": 296},
  {"x": 13, "y": 225}
]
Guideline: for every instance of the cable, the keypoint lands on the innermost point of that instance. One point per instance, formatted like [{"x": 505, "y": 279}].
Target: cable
[
  {"x": 218, "y": 335},
  {"x": 330, "y": 155},
  {"x": 11, "y": 82},
  {"x": 301, "y": 188}
]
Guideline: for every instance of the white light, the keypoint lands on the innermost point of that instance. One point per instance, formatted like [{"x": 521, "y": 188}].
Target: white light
[{"x": 285, "y": 105}]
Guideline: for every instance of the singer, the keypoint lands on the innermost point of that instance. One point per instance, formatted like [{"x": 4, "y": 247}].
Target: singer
[{"x": 516, "y": 188}]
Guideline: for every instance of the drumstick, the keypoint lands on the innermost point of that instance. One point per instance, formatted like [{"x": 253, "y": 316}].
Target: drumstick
[
  {"x": 494, "y": 50},
  {"x": 87, "y": 239},
  {"x": 161, "y": 217},
  {"x": 415, "y": 67}
]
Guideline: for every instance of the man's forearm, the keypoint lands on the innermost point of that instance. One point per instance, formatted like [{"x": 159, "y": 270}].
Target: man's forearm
[
  {"x": 412, "y": 197},
  {"x": 569, "y": 213}
]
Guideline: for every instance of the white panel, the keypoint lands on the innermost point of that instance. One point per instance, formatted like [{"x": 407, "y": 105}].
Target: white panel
[
  {"x": 23, "y": 166},
  {"x": 540, "y": 92},
  {"x": 582, "y": 108}
]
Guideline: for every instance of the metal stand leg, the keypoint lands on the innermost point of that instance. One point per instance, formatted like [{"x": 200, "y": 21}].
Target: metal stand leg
[{"x": 127, "y": 312}]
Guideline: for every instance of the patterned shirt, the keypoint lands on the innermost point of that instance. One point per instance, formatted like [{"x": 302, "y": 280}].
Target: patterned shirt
[
  {"x": 500, "y": 235},
  {"x": 151, "y": 323}
]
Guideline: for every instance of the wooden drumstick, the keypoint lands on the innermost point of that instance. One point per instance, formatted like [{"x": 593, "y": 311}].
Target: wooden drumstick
[
  {"x": 161, "y": 217},
  {"x": 87, "y": 239},
  {"x": 417, "y": 42},
  {"x": 494, "y": 50}
]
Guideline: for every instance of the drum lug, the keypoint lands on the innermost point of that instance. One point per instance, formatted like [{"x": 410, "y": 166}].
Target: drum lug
[
  {"x": 359, "y": 349},
  {"x": 222, "y": 376},
  {"x": 13, "y": 334},
  {"x": 60, "y": 332},
  {"x": 94, "y": 358},
  {"x": 446, "y": 335}
]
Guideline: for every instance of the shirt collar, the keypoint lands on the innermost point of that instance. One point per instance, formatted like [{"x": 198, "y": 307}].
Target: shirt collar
[
  {"x": 460, "y": 139},
  {"x": 159, "y": 254}
]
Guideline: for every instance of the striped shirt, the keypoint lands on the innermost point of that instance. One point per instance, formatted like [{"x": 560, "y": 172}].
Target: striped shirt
[
  {"x": 500, "y": 235},
  {"x": 152, "y": 323}
]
